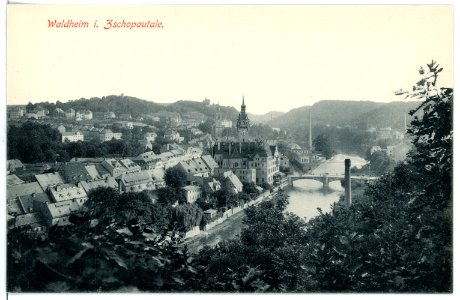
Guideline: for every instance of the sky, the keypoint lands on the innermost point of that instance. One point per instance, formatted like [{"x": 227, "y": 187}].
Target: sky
[{"x": 278, "y": 57}]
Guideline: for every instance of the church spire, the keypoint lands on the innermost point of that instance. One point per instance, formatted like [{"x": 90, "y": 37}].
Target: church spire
[
  {"x": 242, "y": 124},
  {"x": 243, "y": 106}
]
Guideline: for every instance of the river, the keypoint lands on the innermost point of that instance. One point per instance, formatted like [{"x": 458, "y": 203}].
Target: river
[
  {"x": 307, "y": 195},
  {"x": 304, "y": 199}
]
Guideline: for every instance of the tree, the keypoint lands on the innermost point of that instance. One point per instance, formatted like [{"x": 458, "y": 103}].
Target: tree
[
  {"x": 250, "y": 188},
  {"x": 186, "y": 216},
  {"x": 380, "y": 163},
  {"x": 207, "y": 126},
  {"x": 175, "y": 177},
  {"x": 168, "y": 196},
  {"x": 98, "y": 252},
  {"x": 30, "y": 107},
  {"x": 323, "y": 145}
]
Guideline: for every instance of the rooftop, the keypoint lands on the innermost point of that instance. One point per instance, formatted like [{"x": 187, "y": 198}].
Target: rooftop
[
  {"x": 48, "y": 179},
  {"x": 32, "y": 219},
  {"x": 27, "y": 201},
  {"x": 63, "y": 208},
  {"x": 23, "y": 189},
  {"x": 136, "y": 178},
  {"x": 66, "y": 192},
  {"x": 90, "y": 185}
]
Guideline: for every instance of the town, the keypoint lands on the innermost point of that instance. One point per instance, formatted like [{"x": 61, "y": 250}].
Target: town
[{"x": 221, "y": 171}]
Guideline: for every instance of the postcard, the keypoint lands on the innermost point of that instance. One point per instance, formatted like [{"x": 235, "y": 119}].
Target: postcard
[{"x": 229, "y": 149}]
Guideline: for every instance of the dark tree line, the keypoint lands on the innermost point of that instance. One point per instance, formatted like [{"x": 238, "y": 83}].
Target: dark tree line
[{"x": 33, "y": 142}]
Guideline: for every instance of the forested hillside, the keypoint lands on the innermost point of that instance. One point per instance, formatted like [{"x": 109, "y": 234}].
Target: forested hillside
[
  {"x": 362, "y": 114},
  {"x": 120, "y": 104}
]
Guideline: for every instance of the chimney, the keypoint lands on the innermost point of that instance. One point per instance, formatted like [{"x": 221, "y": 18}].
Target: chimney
[
  {"x": 347, "y": 182},
  {"x": 310, "y": 143}
]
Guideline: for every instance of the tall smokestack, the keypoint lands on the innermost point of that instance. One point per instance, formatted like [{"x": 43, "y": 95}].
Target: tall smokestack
[
  {"x": 347, "y": 182},
  {"x": 310, "y": 143},
  {"x": 405, "y": 122}
]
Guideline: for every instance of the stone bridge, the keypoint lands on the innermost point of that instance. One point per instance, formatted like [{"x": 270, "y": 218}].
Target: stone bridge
[{"x": 326, "y": 178}]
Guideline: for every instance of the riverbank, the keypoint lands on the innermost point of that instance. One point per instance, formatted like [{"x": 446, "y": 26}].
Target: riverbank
[
  {"x": 228, "y": 229},
  {"x": 305, "y": 197}
]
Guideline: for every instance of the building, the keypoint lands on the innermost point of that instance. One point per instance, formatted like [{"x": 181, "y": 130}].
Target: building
[
  {"x": 173, "y": 136},
  {"x": 149, "y": 160},
  {"x": 234, "y": 181},
  {"x": 195, "y": 167},
  {"x": 211, "y": 186},
  {"x": 35, "y": 221},
  {"x": 68, "y": 192},
  {"x": 15, "y": 112},
  {"x": 148, "y": 140},
  {"x": 192, "y": 193},
  {"x": 57, "y": 213},
  {"x": 284, "y": 162},
  {"x": 303, "y": 156},
  {"x": 246, "y": 159},
  {"x": 242, "y": 123},
  {"x": 26, "y": 202},
  {"x": 150, "y": 136},
  {"x": 14, "y": 164},
  {"x": 108, "y": 135},
  {"x": 70, "y": 114},
  {"x": 109, "y": 115},
  {"x": 84, "y": 115},
  {"x": 72, "y": 136},
  {"x": 116, "y": 168},
  {"x": 210, "y": 163},
  {"x": 90, "y": 185},
  {"x": 12, "y": 179},
  {"x": 125, "y": 117},
  {"x": 49, "y": 179},
  {"x": 76, "y": 172},
  {"x": 250, "y": 160},
  {"x": 384, "y": 133},
  {"x": 22, "y": 190},
  {"x": 136, "y": 182}
]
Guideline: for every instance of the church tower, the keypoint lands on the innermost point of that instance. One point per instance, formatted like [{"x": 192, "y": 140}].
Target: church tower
[{"x": 242, "y": 124}]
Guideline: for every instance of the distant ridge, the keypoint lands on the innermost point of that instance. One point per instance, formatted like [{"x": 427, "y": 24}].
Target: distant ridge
[
  {"x": 345, "y": 112},
  {"x": 363, "y": 114}
]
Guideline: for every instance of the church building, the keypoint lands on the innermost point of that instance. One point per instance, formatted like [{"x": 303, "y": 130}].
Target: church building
[{"x": 251, "y": 160}]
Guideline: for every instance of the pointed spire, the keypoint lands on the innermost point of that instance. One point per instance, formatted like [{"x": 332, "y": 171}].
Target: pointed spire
[{"x": 243, "y": 100}]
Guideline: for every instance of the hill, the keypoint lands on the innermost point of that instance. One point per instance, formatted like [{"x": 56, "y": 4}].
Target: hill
[
  {"x": 388, "y": 115},
  {"x": 265, "y": 117},
  {"x": 362, "y": 114},
  {"x": 120, "y": 104}
]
